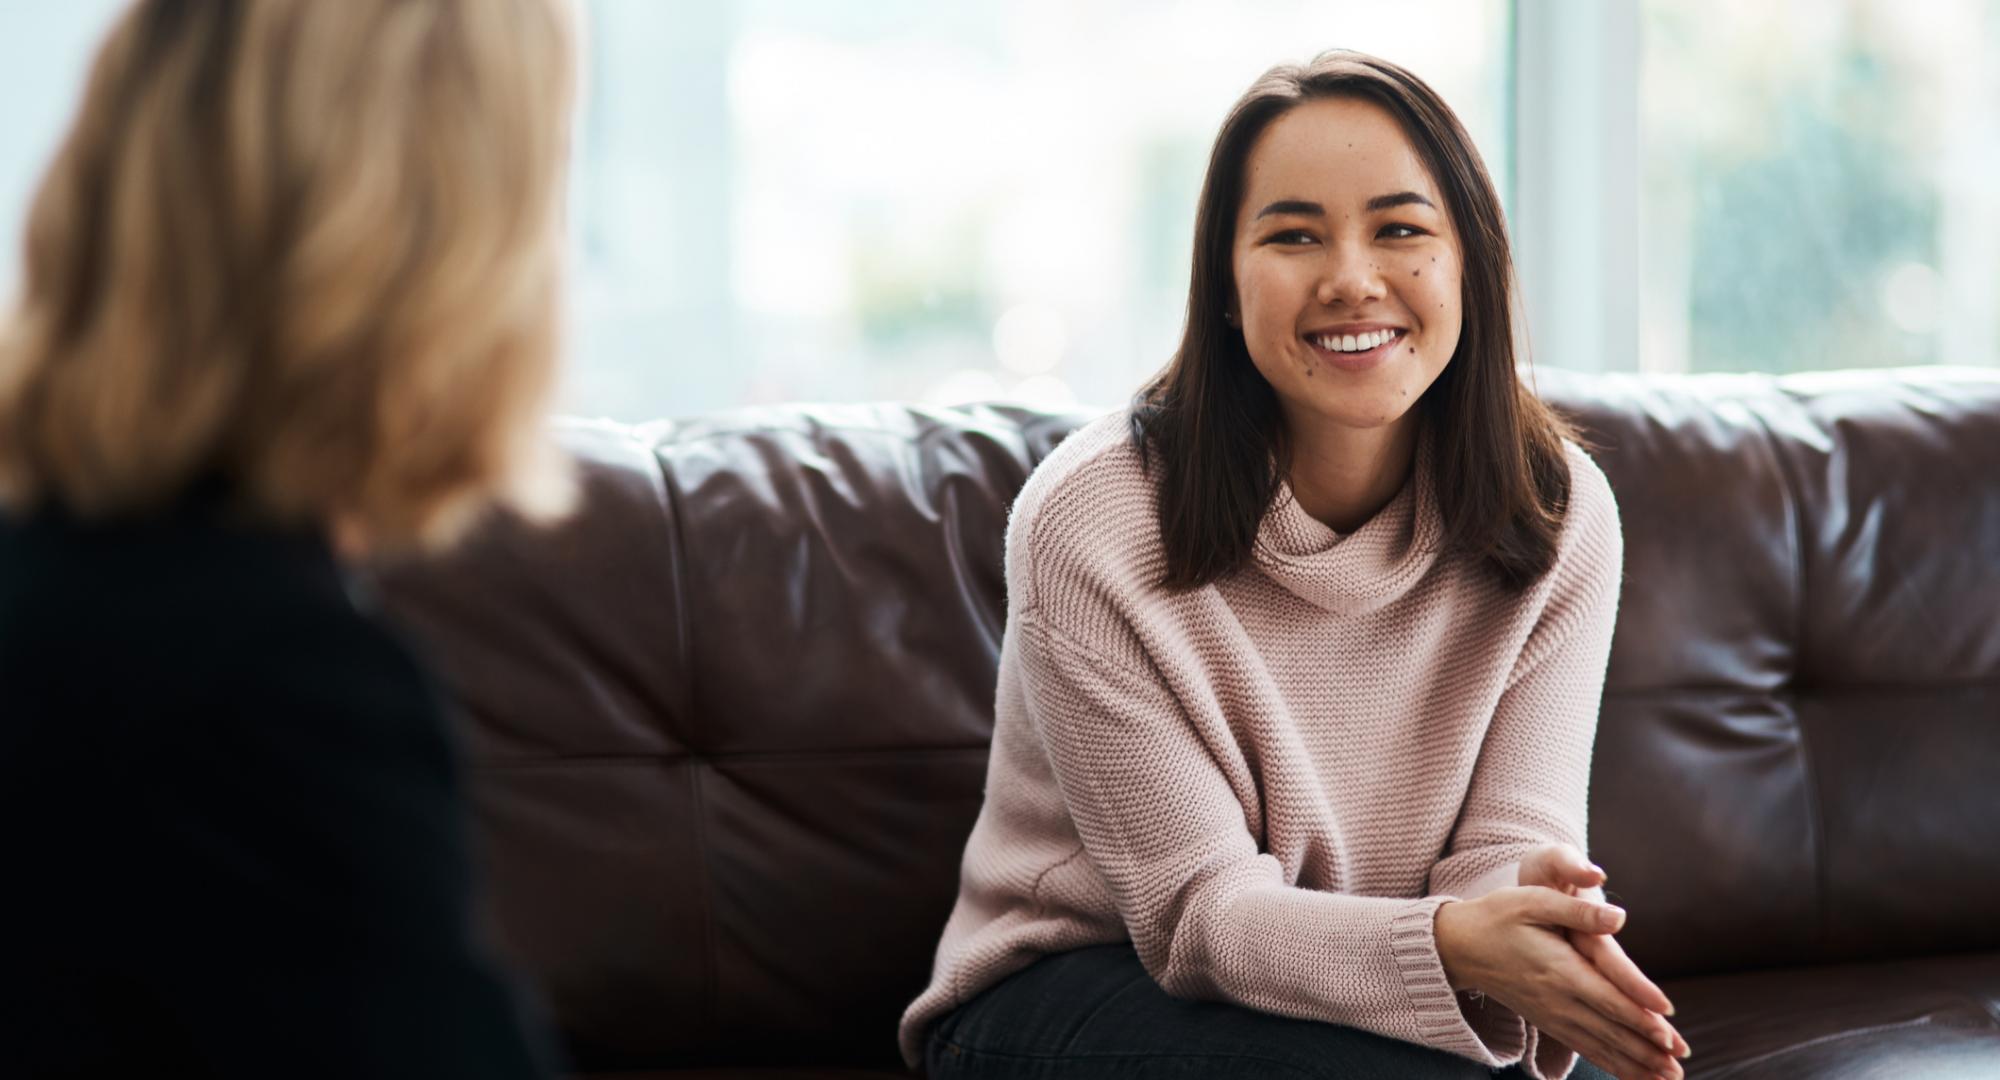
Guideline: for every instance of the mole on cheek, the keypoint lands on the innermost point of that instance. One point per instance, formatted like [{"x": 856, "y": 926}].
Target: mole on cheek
[{"x": 1416, "y": 273}]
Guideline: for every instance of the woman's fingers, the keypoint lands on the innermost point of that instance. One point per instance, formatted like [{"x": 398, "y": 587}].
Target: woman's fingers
[
  {"x": 1642, "y": 1001},
  {"x": 1560, "y": 867},
  {"x": 1581, "y": 1005},
  {"x": 1551, "y": 908},
  {"x": 1605, "y": 952},
  {"x": 1611, "y": 961},
  {"x": 1632, "y": 1045},
  {"x": 1586, "y": 1038},
  {"x": 1640, "y": 1033},
  {"x": 1586, "y": 874},
  {"x": 1615, "y": 1047}
]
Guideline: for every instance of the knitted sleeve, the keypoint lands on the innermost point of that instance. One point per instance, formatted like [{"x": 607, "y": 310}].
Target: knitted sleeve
[
  {"x": 1210, "y": 915},
  {"x": 1530, "y": 784}
]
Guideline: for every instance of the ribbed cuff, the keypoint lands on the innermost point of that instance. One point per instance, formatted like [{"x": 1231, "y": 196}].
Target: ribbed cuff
[
  {"x": 1413, "y": 941},
  {"x": 1546, "y": 1059}
]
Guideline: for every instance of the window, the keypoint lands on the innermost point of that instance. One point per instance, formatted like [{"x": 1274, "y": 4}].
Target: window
[
  {"x": 1819, "y": 184},
  {"x": 791, "y": 200}
]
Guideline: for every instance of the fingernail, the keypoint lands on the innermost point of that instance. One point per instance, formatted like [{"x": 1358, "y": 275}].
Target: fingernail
[
  {"x": 1670, "y": 1008},
  {"x": 1613, "y": 917}
]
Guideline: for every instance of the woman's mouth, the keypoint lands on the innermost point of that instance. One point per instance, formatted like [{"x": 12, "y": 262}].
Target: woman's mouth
[{"x": 1356, "y": 352}]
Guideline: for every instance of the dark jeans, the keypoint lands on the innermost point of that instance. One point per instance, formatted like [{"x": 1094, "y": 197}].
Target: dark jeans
[{"x": 1095, "y": 1012}]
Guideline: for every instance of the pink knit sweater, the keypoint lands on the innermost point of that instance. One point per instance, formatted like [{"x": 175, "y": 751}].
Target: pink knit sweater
[{"x": 1270, "y": 784}]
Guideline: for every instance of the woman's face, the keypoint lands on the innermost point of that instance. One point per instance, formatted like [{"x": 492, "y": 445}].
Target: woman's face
[{"x": 1347, "y": 268}]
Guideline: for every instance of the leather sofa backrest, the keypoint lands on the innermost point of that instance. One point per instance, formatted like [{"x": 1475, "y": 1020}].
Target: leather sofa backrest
[
  {"x": 1800, "y": 740},
  {"x": 728, "y": 724}
]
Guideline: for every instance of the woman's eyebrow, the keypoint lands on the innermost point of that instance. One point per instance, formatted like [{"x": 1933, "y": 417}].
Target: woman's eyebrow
[
  {"x": 1379, "y": 202},
  {"x": 1293, "y": 206},
  {"x": 1400, "y": 198}
]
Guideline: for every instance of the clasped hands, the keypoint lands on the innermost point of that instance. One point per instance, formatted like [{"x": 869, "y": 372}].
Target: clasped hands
[{"x": 1548, "y": 954}]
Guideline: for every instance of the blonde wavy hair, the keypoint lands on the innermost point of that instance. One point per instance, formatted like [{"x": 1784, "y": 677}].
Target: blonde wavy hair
[{"x": 310, "y": 249}]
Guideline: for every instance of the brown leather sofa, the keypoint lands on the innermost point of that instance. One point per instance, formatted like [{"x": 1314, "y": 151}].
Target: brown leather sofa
[{"x": 729, "y": 724}]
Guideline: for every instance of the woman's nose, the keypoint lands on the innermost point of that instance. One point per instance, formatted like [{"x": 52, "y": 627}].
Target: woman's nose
[{"x": 1349, "y": 278}]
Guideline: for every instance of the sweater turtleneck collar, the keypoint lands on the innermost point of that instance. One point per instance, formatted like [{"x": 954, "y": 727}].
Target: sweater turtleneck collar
[{"x": 1357, "y": 572}]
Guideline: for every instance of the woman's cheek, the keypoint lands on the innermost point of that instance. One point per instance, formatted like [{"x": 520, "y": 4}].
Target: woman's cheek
[
  {"x": 1261, "y": 317},
  {"x": 1253, "y": 283}
]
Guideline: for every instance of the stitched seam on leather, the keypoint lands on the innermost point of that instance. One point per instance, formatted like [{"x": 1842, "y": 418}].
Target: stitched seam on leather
[
  {"x": 677, "y": 571},
  {"x": 711, "y": 998},
  {"x": 1816, "y": 820},
  {"x": 961, "y": 567},
  {"x": 1793, "y": 489},
  {"x": 711, "y": 961},
  {"x": 1795, "y": 503}
]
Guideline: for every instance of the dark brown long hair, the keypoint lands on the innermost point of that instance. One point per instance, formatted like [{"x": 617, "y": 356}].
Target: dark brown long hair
[{"x": 1213, "y": 423}]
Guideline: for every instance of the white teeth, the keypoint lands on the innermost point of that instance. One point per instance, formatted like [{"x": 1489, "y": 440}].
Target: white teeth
[{"x": 1352, "y": 342}]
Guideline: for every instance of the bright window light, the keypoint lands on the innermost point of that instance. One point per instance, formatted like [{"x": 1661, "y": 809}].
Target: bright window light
[
  {"x": 1818, "y": 184},
  {"x": 786, "y": 200}
]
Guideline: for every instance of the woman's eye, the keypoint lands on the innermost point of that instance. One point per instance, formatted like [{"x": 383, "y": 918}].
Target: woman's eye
[
  {"x": 1292, "y": 236},
  {"x": 1401, "y": 232}
]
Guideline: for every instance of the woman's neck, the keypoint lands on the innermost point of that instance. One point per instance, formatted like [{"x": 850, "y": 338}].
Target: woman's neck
[{"x": 1342, "y": 475}]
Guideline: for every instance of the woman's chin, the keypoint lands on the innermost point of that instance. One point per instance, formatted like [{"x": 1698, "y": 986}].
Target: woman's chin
[{"x": 1360, "y": 412}]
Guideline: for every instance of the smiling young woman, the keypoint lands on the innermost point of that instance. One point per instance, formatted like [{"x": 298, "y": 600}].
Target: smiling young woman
[
  {"x": 1347, "y": 197},
  {"x": 1303, "y": 658}
]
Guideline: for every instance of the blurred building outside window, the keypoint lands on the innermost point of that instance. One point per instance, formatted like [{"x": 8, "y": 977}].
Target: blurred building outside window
[
  {"x": 790, "y": 200},
  {"x": 1820, "y": 185},
  {"x": 786, "y": 200}
]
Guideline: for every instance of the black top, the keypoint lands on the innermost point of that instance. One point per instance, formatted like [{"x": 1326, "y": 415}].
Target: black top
[{"x": 229, "y": 820}]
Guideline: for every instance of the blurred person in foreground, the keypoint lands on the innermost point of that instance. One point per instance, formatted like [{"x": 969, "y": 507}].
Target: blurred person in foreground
[{"x": 290, "y": 298}]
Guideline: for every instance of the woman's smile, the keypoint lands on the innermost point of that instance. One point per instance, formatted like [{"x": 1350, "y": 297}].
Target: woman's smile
[{"x": 1352, "y": 347}]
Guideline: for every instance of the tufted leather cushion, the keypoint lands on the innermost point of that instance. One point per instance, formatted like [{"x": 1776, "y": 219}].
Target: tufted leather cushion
[
  {"x": 1802, "y": 718},
  {"x": 729, "y": 723}
]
